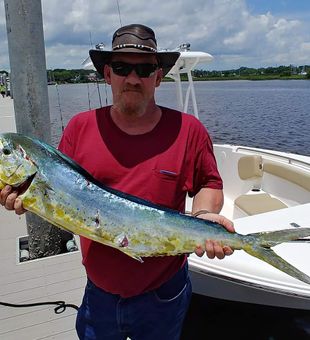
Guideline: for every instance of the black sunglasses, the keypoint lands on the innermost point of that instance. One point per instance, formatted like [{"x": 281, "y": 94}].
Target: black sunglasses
[{"x": 124, "y": 69}]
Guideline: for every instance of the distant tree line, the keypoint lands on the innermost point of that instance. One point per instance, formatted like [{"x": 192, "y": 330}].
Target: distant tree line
[
  {"x": 71, "y": 76},
  {"x": 248, "y": 72}
]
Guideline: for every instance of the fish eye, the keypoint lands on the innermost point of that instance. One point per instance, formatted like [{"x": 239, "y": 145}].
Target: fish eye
[{"x": 6, "y": 151}]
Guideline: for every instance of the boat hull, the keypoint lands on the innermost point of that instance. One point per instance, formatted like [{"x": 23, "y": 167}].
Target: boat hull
[{"x": 208, "y": 283}]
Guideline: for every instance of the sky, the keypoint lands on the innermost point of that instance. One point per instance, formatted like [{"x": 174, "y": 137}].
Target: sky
[{"x": 249, "y": 33}]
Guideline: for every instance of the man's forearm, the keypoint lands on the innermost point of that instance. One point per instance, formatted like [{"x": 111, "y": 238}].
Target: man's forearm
[{"x": 211, "y": 200}]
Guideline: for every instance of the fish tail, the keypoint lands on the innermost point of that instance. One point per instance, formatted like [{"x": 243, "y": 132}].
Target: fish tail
[
  {"x": 272, "y": 238},
  {"x": 269, "y": 256},
  {"x": 260, "y": 247}
]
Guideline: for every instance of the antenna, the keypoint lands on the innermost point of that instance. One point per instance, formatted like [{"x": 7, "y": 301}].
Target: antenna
[
  {"x": 90, "y": 40},
  {"x": 60, "y": 111},
  {"x": 119, "y": 13}
]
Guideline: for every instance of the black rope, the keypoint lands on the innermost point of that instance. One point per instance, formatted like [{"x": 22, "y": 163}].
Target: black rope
[{"x": 61, "y": 305}]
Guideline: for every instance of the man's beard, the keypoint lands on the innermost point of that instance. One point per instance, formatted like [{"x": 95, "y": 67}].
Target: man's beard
[{"x": 132, "y": 106}]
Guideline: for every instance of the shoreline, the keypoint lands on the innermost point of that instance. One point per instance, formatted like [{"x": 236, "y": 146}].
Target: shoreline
[{"x": 200, "y": 79}]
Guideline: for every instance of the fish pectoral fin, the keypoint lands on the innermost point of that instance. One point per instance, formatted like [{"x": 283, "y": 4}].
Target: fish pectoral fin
[
  {"x": 45, "y": 187},
  {"x": 131, "y": 254},
  {"x": 269, "y": 256}
]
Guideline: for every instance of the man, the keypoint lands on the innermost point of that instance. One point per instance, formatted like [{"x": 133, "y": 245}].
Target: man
[
  {"x": 2, "y": 90},
  {"x": 151, "y": 152}
]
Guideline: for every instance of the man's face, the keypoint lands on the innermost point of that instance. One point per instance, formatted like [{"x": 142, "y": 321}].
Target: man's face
[{"x": 132, "y": 93}]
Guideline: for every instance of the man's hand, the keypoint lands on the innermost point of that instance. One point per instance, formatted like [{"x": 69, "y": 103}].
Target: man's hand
[
  {"x": 213, "y": 248},
  {"x": 10, "y": 200}
]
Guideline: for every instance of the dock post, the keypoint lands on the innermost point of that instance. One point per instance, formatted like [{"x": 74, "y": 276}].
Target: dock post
[{"x": 29, "y": 84}]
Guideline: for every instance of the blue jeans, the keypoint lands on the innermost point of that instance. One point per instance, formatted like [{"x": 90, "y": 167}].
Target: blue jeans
[{"x": 158, "y": 314}]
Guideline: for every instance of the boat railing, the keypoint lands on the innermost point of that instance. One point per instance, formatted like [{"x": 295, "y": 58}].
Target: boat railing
[{"x": 284, "y": 158}]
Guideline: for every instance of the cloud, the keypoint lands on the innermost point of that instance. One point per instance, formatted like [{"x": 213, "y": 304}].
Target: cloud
[
  {"x": 66, "y": 55},
  {"x": 228, "y": 29}
]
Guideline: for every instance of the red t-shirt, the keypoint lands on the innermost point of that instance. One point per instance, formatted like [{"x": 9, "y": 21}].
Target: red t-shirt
[{"x": 161, "y": 166}]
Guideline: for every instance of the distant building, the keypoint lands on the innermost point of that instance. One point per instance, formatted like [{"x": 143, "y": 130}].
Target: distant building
[
  {"x": 92, "y": 77},
  {"x": 303, "y": 72}
]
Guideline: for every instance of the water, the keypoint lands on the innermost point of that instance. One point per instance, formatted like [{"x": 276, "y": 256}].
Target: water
[{"x": 268, "y": 114}]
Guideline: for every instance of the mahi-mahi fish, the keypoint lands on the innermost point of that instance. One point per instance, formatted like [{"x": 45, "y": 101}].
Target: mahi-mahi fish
[{"x": 60, "y": 191}]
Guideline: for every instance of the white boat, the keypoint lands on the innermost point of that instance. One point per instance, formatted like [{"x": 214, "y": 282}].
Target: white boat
[
  {"x": 264, "y": 190},
  {"x": 276, "y": 197}
]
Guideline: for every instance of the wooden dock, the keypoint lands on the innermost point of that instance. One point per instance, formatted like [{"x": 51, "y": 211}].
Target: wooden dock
[{"x": 54, "y": 278}]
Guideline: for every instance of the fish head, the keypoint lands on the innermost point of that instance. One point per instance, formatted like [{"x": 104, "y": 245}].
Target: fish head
[{"x": 16, "y": 167}]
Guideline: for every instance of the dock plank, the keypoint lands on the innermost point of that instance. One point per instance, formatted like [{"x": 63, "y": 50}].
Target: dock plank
[
  {"x": 73, "y": 297},
  {"x": 70, "y": 335},
  {"x": 32, "y": 318},
  {"x": 48, "y": 328}
]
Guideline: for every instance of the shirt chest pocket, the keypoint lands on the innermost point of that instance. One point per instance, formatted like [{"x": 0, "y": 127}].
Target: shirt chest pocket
[
  {"x": 166, "y": 175},
  {"x": 164, "y": 187}
]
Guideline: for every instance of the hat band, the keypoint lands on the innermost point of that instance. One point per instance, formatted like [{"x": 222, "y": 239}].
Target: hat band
[{"x": 138, "y": 46}]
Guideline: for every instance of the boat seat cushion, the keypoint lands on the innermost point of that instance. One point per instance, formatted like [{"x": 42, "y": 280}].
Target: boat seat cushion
[
  {"x": 288, "y": 173},
  {"x": 250, "y": 167},
  {"x": 253, "y": 204}
]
